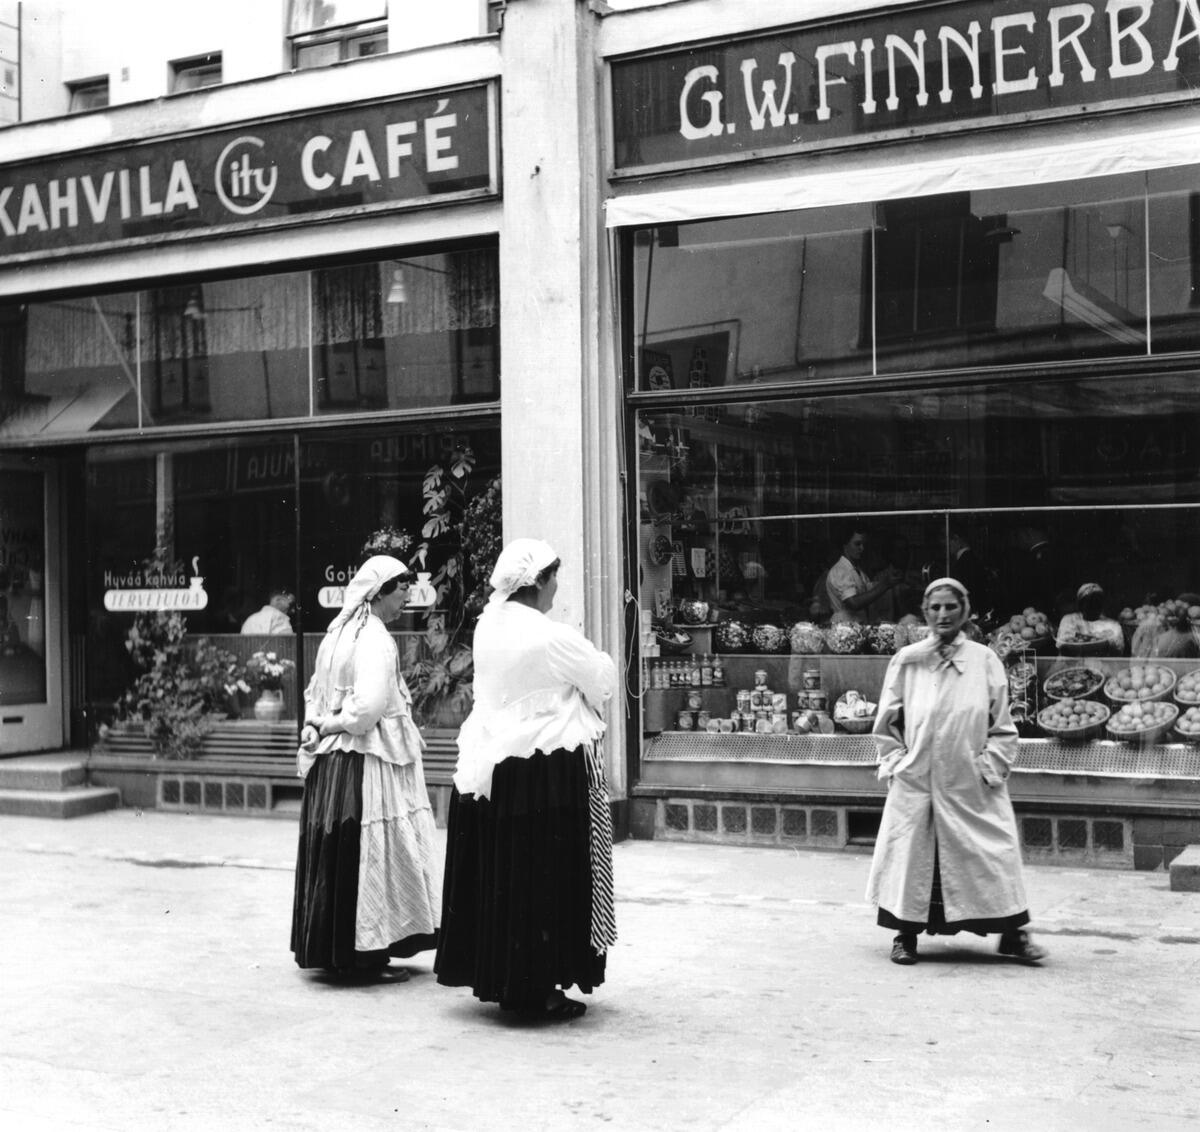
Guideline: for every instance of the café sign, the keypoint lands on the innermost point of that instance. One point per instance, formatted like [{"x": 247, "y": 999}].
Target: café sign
[
  {"x": 399, "y": 153},
  {"x": 900, "y": 73}
]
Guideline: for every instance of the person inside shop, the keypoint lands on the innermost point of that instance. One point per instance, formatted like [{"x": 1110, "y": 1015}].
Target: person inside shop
[
  {"x": 368, "y": 883},
  {"x": 274, "y": 619},
  {"x": 849, "y": 588},
  {"x": 528, "y": 908},
  {"x": 947, "y": 857},
  {"x": 1088, "y": 629},
  {"x": 1037, "y": 575},
  {"x": 966, "y": 565}
]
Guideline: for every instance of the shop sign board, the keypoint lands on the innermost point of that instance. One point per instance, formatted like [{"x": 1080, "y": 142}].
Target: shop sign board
[
  {"x": 140, "y": 591},
  {"x": 400, "y": 153},
  {"x": 902, "y": 73}
]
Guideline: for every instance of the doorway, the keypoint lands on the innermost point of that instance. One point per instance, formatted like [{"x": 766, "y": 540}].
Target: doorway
[{"x": 31, "y": 672}]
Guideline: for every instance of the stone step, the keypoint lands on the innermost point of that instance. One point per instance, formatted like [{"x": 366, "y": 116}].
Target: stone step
[
  {"x": 41, "y": 773},
  {"x": 70, "y": 803},
  {"x": 1185, "y": 870}
]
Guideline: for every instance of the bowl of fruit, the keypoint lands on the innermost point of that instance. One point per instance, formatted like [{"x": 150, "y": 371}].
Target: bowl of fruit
[
  {"x": 1187, "y": 689},
  {"x": 1076, "y": 683},
  {"x": 1073, "y": 719},
  {"x": 1140, "y": 683},
  {"x": 1187, "y": 726},
  {"x": 1143, "y": 721},
  {"x": 1029, "y": 629}
]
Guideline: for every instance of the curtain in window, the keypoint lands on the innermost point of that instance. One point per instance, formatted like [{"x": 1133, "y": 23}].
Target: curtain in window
[{"x": 314, "y": 15}]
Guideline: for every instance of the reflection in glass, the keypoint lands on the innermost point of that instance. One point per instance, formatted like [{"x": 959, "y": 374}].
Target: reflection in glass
[
  {"x": 779, "y": 297},
  {"x": 1174, "y": 253},
  {"x": 228, "y": 350},
  {"x": 22, "y": 588},
  {"x": 405, "y": 333},
  {"x": 68, "y": 366}
]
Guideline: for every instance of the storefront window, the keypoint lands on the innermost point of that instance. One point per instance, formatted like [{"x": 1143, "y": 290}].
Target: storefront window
[
  {"x": 22, "y": 588},
  {"x": 777, "y": 535},
  {"x": 1097, "y": 268},
  {"x": 250, "y": 554},
  {"x": 416, "y": 332}
]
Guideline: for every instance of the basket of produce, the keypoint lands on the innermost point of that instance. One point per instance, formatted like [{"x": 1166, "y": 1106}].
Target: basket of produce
[
  {"x": 731, "y": 636},
  {"x": 1085, "y": 646},
  {"x": 1029, "y": 629},
  {"x": 854, "y": 713},
  {"x": 1077, "y": 683},
  {"x": 1187, "y": 726},
  {"x": 1187, "y": 690},
  {"x": 884, "y": 638},
  {"x": 769, "y": 638},
  {"x": 846, "y": 637},
  {"x": 807, "y": 638},
  {"x": 671, "y": 643},
  {"x": 1073, "y": 719},
  {"x": 1142, "y": 722},
  {"x": 1143, "y": 683}
]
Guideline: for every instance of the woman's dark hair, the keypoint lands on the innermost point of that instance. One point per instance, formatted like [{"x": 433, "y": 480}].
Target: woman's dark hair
[
  {"x": 529, "y": 593},
  {"x": 390, "y": 585}
]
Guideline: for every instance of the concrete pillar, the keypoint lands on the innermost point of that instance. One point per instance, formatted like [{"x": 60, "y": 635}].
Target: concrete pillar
[{"x": 559, "y": 390}]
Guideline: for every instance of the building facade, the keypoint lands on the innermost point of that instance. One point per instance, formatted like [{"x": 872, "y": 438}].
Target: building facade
[{"x": 762, "y": 314}]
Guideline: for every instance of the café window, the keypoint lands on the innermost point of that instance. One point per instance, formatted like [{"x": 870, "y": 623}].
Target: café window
[
  {"x": 416, "y": 331},
  {"x": 253, "y": 539}
]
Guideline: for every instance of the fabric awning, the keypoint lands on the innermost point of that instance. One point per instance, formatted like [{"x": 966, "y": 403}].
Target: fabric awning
[{"x": 1097, "y": 147}]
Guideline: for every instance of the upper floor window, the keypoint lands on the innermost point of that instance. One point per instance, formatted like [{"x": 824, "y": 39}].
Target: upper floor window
[
  {"x": 197, "y": 72},
  {"x": 324, "y": 32},
  {"x": 89, "y": 94}
]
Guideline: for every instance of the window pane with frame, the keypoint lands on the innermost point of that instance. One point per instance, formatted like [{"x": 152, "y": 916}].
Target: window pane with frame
[
  {"x": 193, "y": 74},
  {"x": 315, "y": 15},
  {"x": 312, "y": 55},
  {"x": 1174, "y": 258},
  {"x": 69, "y": 366},
  {"x": 777, "y": 297},
  {"x": 226, "y": 350},
  {"x": 1010, "y": 276},
  {"x": 90, "y": 95},
  {"x": 407, "y": 333}
]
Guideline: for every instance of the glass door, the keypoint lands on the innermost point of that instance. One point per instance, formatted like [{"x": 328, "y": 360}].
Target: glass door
[{"x": 31, "y": 712}]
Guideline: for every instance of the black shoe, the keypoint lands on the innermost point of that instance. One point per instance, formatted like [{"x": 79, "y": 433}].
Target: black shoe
[
  {"x": 904, "y": 949},
  {"x": 1017, "y": 945}
]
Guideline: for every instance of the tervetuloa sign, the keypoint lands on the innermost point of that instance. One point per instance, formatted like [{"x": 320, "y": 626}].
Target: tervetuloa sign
[
  {"x": 384, "y": 155},
  {"x": 902, "y": 72}
]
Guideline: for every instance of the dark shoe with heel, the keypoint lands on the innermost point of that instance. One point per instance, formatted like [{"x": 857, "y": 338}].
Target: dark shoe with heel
[
  {"x": 904, "y": 950},
  {"x": 1019, "y": 946}
]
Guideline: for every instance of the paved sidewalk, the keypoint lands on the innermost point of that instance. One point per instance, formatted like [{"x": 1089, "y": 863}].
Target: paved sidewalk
[{"x": 147, "y": 985}]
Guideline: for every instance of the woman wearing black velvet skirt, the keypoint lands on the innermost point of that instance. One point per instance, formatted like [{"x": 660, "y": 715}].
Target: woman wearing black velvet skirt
[
  {"x": 527, "y": 907},
  {"x": 367, "y": 886}
]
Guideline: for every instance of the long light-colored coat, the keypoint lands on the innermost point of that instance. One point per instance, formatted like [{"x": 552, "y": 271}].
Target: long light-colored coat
[{"x": 946, "y": 743}]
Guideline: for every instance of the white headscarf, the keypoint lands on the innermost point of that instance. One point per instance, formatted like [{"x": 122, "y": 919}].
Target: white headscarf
[
  {"x": 519, "y": 564},
  {"x": 371, "y": 577},
  {"x": 955, "y": 585}
]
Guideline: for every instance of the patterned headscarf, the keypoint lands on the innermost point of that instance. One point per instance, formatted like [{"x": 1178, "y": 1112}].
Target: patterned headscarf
[
  {"x": 371, "y": 577},
  {"x": 519, "y": 564}
]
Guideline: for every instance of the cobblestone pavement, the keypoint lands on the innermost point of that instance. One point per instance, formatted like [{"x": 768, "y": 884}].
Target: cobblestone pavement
[{"x": 147, "y": 985}]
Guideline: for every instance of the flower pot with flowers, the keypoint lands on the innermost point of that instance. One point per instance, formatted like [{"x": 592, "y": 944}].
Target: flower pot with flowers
[{"x": 266, "y": 671}]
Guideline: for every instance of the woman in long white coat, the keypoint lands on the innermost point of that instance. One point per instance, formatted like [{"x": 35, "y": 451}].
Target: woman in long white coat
[
  {"x": 948, "y": 857},
  {"x": 368, "y": 878}
]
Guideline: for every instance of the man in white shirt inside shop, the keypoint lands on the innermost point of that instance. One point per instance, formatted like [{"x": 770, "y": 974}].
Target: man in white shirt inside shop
[
  {"x": 272, "y": 620},
  {"x": 850, "y": 589}
]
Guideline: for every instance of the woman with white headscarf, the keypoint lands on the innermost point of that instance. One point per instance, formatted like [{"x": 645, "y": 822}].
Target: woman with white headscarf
[
  {"x": 947, "y": 856},
  {"x": 367, "y": 887},
  {"x": 527, "y": 910}
]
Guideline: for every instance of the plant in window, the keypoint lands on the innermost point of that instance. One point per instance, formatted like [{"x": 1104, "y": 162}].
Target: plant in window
[
  {"x": 463, "y": 532},
  {"x": 267, "y": 670},
  {"x": 387, "y": 540},
  {"x": 180, "y": 687}
]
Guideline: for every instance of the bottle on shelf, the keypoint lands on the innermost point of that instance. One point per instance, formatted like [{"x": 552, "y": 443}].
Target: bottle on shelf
[
  {"x": 694, "y": 678},
  {"x": 706, "y": 671},
  {"x": 718, "y": 672}
]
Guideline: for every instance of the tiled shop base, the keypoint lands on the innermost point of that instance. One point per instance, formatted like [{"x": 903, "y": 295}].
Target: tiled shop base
[{"x": 1052, "y": 838}]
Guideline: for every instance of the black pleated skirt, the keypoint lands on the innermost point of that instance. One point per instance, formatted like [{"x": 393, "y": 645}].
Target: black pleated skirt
[
  {"x": 517, "y": 895},
  {"x": 937, "y": 924},
  {"x": 325, "y": 900}
]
